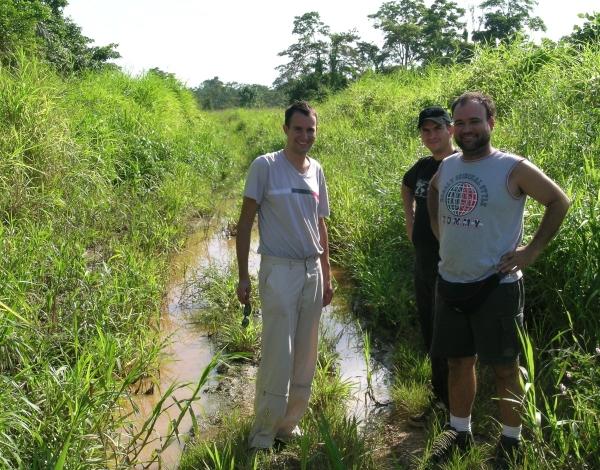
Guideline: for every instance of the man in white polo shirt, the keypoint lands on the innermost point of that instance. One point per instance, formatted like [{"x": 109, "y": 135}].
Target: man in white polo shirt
[{"x": 287, "y": 188}]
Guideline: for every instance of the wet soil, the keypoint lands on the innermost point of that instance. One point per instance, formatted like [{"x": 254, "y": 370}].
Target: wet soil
[{"x": 231, "y": 389}]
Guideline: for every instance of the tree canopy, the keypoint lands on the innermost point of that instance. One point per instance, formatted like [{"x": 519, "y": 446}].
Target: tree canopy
[
  {"x": 587, "y": 33},
  {"x": 40, "y": 25},
  {"x": 414, "y": 35},
  {"x": 214, "y": 94},
  {"x": 503, "y": 19},
  {"x": 321, "y": 61}
]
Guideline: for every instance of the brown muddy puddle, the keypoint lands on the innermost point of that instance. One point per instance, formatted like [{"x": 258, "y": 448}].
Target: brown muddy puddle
[{"x": 191, "y": 350}]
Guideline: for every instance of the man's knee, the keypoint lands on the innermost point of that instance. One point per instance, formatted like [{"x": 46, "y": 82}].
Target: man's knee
[
  {"x": 504, "y": 372},
  {"x": 460, "y": 364}
]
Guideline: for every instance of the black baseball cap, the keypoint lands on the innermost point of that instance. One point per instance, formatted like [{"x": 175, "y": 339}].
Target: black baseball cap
[{"x": 435, "y": 114}]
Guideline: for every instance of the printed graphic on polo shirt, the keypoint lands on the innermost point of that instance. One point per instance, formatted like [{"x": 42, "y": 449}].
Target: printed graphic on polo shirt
[
  {"x": 421, "y": 188},
  {"x": 461, "y": 196}
]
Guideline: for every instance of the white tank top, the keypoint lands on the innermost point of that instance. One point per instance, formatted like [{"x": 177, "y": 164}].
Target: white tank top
[{"x": 479, "y": 219}]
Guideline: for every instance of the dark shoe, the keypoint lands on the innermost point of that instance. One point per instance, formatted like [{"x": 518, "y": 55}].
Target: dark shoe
[
  {"x": 281, "y": 441},
  {"x": 446, "y": 443},
  {"x": 279, "y": 445},
  {"x": 254, "y": 452},
  {"x": 508, "y": 453}
]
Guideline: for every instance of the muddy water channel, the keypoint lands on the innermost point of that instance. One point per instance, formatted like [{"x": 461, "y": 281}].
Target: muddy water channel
[{"x": 190, "y": 349}]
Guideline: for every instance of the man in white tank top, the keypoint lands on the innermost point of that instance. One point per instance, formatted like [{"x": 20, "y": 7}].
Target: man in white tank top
[{"x": 476, "y": 201}]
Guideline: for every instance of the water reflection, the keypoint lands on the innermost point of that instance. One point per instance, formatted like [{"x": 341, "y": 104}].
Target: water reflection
[{"x": 190, "y": 350}]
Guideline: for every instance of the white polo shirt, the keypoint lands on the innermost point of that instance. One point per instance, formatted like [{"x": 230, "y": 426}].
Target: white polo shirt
[{"x": 290, "y": 205}]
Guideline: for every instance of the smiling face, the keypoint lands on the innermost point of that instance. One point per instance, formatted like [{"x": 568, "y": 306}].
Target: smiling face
[
  {"x": 436, "y": 137},
  {"x": 301, "y": 133},
  {"x": 472, "y": 129}
]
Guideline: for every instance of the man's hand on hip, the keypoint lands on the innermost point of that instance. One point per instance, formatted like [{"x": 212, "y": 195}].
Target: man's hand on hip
[{"x": 513, "y": 261}]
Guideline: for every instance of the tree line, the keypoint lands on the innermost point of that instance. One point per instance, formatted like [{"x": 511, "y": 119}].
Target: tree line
[{"x": 320, "y": 61}]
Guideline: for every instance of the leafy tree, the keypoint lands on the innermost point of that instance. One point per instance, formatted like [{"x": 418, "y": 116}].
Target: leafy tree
[
  {"x": 320, "y": 61},
  {"x": 344, "y": 59},
  {"x": 40, "y": 26},
  {"x": 56, "y": 6},
  {"x": 444, "y": 36},
  {"x": 417, "y": 34},
  {"x": 18, "y": 22},
  {"x": 370, "y": 57},
  {"x": 214, "y": 94},
  {"x": 401, "y": 23},
  {"x": 260, "y": 96},
  {"x": 587, "y": 33},
  {"x": 308, "y": 54},
  {"x": 312, "y": 87},
  {"x": 247, "y": 97},
  {"x": 503, "y": 19}
]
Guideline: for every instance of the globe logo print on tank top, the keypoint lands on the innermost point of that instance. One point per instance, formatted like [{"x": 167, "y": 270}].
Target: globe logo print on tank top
[{"x": 461, "y": 198}]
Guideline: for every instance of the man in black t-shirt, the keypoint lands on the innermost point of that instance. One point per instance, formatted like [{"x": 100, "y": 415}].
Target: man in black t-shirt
[{"x": 435, "y": 129}]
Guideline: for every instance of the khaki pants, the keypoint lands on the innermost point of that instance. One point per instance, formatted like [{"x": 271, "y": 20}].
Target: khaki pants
[{"x": 291, "y": 294}]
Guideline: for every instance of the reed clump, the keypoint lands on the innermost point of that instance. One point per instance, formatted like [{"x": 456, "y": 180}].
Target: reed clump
[{"x": 98, "y": 175}]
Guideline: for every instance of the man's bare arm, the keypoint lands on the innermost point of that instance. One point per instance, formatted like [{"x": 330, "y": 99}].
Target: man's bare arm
[
  {"x": 242, "y": 247},
  {"x": 408, "y": 200},
  {"x": 528, "y": 179},
  {"x": 325, "y": 265},
  {"x": 432, "y": 205}
]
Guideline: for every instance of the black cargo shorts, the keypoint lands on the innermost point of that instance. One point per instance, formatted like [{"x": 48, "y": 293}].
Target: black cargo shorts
[{"x": 491, "y": 332}]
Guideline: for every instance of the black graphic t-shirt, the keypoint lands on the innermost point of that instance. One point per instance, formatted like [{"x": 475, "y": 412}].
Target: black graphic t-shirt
[{"x": 426, "y": 245}]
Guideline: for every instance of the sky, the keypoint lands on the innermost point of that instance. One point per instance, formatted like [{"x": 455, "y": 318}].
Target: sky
[{"x": 239, "y": 40}]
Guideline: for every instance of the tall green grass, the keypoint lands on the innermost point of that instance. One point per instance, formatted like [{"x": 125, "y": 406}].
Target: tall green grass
[
  {"x": 549, "y": 111},
  {"x": 220, "y": 314},
  {"x": 329, "y": 439},
  {"x": 98, "y": 175}
]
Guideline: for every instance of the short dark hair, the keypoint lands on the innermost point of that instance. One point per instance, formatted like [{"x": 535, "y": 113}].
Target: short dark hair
[
  {"x": 479, "y": 97},
  {"x": 298, "y": 107}
]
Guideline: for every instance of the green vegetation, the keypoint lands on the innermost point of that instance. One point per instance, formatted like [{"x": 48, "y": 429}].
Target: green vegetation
[
  {"x": 543, "y": 114},
  {"x": 221, "y": 314},
  {"x": 97, "y": 179},
  {"x": 39, "y": 26},
  {"x": 547, "y": 98},
  {"x": 100, "y": 173},
  {"x": 329, "y": 438},
  {"x": 213, "y": 94},
  {"x": 321, "y": 62}
]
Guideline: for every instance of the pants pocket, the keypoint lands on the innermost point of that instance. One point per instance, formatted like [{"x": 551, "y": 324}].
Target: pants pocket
[{"x": 263, "y": 274}]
